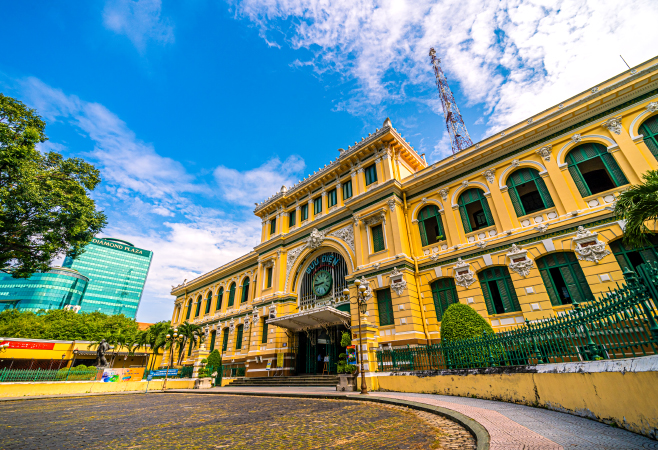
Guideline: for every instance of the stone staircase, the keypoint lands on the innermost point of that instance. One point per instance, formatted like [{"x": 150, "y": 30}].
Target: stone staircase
[{"x": 300, "y": 380}]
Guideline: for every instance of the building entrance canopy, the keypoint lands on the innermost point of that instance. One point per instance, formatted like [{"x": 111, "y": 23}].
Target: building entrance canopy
[{"x": 324, "y": 316}]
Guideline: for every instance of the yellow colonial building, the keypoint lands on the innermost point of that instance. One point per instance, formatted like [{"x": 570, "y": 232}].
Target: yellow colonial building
[{"x": 518, "y": 226}]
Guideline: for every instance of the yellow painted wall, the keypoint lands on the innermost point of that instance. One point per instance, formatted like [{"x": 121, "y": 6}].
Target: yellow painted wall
[
  {"x": 84, "y": 387},
  {"x": 627, "y": 399}
]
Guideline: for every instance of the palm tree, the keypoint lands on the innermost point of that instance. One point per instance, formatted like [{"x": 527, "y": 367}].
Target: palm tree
[
  {"x": 154, "y": 338},
  {"x": 189, "y": 332},
  {"x": 637, "y": 205}
]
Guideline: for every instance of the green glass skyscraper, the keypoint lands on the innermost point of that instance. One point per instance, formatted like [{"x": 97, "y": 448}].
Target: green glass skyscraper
[{"x": 117, "y": 271}]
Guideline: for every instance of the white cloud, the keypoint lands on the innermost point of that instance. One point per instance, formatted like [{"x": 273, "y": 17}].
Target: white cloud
[
  {"x": 516, "y": 57},
  {"x": 139, "y": 20},
  {"x": 254, "y": 185}
]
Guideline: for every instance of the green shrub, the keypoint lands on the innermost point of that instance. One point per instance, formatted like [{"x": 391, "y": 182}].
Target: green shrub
[
  {"x": 342, "y": 366},
  {"x": 215, "y": 359},
  {"x": 345, "y": 339},
  {"x": 462, "y": 322}
]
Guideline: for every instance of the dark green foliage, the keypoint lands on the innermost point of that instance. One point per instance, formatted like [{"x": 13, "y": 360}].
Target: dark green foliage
[
  {"x": 343, "y": 367},
  {"x": 45, "y": 208},
  {"x": 636, "y": 205},
  {"x": 345, "y": 339},
  {"x": 214, "y": 359},
  {"x": 64, "y": 325},
  {"x": 462, "y": 322}
]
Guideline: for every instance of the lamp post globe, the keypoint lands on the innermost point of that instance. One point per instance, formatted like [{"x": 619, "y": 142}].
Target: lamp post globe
[
  {"x": 346, "y": 292},
  {"x": 168, "y": 336},
  {"x": 357, "y": 282}
]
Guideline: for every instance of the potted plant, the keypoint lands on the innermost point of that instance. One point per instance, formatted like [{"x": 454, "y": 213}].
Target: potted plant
[{"x": 346, "y": 372}]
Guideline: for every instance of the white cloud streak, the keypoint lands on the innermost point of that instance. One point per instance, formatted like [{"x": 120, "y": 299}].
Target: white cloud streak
[
  {"x": 139, "y": 20},
  {"x": 516, "y": 57},
  {"x": 254, "y": 185}
]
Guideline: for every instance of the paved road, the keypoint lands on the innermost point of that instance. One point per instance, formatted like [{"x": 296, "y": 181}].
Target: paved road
[
  {"x": 186, "y": 421},
  {"x": 510, "y": 426}
]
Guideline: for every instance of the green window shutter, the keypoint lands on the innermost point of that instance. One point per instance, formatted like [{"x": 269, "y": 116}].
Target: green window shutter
[
  {"x": 516, "y": 201},
  {"x": 440, "y": 222},
  {"x": 263, "y": 339},
  {"x": 347, "y": 190},
  {"x": 543, "y": 192},
  {"x": 208, "y": 302},
  {"x": 579, "y": 275},
  {"x": 572, "y": 287},
  {"x": 231, "y": 296},
  {"x": 245, "y": 291},
  {"x": 371, "y": 174},
  {"x": 505, "y": 295},
  {"x": 613, "y": 169},
  {"x": 220, "y": 297},
  {"x": 268, "y": 276},
  {"x": 465, "y": 221},
  {"x": 649, "y": 130},
  {"x": 198, "y": 307},
  {"x": 487, "y": 297},
  {"x": 212, "y": 340},
  {"x": 487, "y": 211},
  {"x": 378, "y": 238},
  {"x": 225, "y": 340},
  {"x": 273, "y": 226},
  {"x": 385, "y": 306},
  {"x": 238, "y": 338},
  {"x": 512, "y": 293},
  {"x": 292, "y": 218},
  {"x": 548, "y": 282},
  {"x": 423, "y": 233},
  {"x": 579, "y": 180}
]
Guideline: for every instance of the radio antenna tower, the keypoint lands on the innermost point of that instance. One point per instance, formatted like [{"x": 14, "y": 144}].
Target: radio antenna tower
[{"x": 459, "y": 137}]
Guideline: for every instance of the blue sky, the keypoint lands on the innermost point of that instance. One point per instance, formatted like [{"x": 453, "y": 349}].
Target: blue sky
[{"x": 195, "y": 110}]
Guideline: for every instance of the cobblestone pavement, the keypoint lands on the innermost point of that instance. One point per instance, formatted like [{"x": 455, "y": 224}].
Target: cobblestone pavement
[
  {"x": 185, "y": 421},
  {"x": 513, "y": 426}
]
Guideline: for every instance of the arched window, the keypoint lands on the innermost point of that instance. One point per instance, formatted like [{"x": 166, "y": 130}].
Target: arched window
[
  {"x": 564, "y": 278},
  {"x": 238, "y": 337},
  {"x": 231, "y": 295},
  {"x": 649, "y": 130},
  {"x": 212, "y": 341},
  {"x": 498, "y": 290},
  {"x": 633, "y": 257},
  {"x": 474, "y": 210},
  {"x": 445, "y": 294},
  {"x": 208, "y": 302},
  {"x": 198, "y": 306},
  {"x": 430, "y": 226},
  {"x": 528, "y": 192},
  {"x": 593, "y": 169},
  {"x": 220, "y": 297},
  {"x": 189, "y": 310},
  {"x": 224, "y": 339},
  {"x": 245, "y": 291}
]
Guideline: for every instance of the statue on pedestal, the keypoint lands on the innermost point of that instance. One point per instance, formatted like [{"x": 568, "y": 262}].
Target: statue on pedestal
[{"x": 103, "y": 347}]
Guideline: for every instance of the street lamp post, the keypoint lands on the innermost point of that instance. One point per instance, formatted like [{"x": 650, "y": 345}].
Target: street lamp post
[
  {"x": 362, "y": 307},
  {"x": 171, "y": 339}
]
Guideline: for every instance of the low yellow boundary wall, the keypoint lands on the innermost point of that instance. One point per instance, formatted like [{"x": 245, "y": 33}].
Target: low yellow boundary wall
[
  {"x": 624, "y": 392},
  {"x": 85, "y": 387}
]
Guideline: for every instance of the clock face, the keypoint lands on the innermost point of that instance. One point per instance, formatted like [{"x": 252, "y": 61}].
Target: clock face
[{"x": 321, "y": 283}]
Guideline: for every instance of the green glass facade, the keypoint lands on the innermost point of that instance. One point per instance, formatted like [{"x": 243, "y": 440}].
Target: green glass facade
[
  {"x": 117, "y": 271},
  {"x": 54, "y": 289}
]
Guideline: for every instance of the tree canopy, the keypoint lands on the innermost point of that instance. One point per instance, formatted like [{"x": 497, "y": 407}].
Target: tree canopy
[
  {"x": 64, "y": 325},
  {"x": 462, "y": 322},
  {"x": 637, "y": 205},
  {"x": 45, "y": 208}
]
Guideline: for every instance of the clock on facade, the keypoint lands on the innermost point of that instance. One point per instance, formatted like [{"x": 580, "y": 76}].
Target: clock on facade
[{"x": 321, "y": 283}]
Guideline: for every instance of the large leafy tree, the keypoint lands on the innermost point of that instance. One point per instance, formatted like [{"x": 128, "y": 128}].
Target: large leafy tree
[
  {"x": 638, "y": 205},
  {"x": 45, "y": 209},
  {"x": 66, "y": 325}
]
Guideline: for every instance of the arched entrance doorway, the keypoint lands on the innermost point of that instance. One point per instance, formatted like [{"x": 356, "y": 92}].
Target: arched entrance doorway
[{"x": 322, "y": 316}]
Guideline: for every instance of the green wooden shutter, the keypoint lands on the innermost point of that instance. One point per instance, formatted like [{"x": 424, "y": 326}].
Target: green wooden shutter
[
  {"x": 487, "y": 211},
  {"x": 548, "y": 282},
  {"x": 543, "y": 192},
  {"x": 208, "y": 302},
  {"x": 198, "y": 307},
  {"x": 220, "y": 297},
  {"x": 423, "y": 233},
  {"x": 579, "y": 180},
  {"x": 378, "y": 238},
  {"x": 465, "y": 221},
  {"x": 613, "y": 169},
  {"x": 572, "y": 287},
  {"x": 212, "y": 340},
  {"x": 238, "y": 338},
  {"x": 225, "y": 340},
  {"x": 263, "y": 339},
  {"x": 579, "y": 275},
  {"x": 245, "y": 291},
  {"x": 385, "y": 306},
  {"x": 487, "y": 297},
  {"x": 505, "y": 295},
  {"x": 649, "y": 130},
  {"x": 440, "y": 222},
  {"x": 512, "y": 292},
  {"x": 516, "y": 201},
  {"x": 231, "y": 295}
]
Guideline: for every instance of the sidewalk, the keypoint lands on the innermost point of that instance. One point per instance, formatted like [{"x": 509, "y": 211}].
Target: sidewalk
[{"x": 510, "y": 426}]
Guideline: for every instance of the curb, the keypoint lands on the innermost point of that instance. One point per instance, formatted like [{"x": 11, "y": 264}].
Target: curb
[{"x": 478, "y": 431}]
